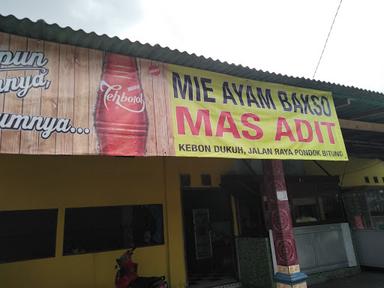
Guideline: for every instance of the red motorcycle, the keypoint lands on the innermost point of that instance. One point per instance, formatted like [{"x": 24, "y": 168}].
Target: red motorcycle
[{"x": 126, "y": 274}]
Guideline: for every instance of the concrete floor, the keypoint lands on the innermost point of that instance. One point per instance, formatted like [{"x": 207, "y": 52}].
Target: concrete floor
[{"x": 363, "y": 280}]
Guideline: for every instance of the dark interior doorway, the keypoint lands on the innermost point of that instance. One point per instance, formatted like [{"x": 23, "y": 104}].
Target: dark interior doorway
[
  {"x": 247, "y": 193},
  {"x": 209, "y": 237}
]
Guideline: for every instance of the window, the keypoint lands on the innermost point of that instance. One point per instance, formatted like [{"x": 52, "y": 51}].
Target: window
[
  {"x": 95, "y": 229},
  {"x": 306, "y": 210},
  {"x": 357, "y": 209},
  {"x": 331, "y": 207},
  {"x": 315, "y": 200},
  {"x": 375, "y": 201},
  {"x": 185, "y": 180},
  {"x": 27, "y": 234},
  {"x": 206, "y": 180}
]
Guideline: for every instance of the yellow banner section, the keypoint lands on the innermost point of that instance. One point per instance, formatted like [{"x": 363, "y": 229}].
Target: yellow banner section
[{"x": 216, "y": 115}]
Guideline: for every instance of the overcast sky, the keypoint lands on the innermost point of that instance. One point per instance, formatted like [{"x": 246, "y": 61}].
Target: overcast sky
[{"x": 275, "y": 35}]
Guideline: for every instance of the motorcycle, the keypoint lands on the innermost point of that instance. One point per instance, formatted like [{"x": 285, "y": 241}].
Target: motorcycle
[{"x": 126, "y": 274}]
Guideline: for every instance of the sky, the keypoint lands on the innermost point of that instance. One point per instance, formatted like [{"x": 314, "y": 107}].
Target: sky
[{"x": 278, "y": 36}]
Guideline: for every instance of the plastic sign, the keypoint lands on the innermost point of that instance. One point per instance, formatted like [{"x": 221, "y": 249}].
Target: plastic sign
[{"x": 223, "y": 116}]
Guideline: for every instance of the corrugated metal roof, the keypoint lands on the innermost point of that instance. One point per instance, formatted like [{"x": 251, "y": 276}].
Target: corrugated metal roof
[
  {"x": 66, "y": 35},
  {"x": 351, "y": 102}
]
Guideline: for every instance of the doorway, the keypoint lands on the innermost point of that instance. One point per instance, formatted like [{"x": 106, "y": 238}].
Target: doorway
[{"x": 209, "y": 237}]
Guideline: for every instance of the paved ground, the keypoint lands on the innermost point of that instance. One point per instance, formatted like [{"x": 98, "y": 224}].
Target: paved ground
[{"x": 363, "y": 280}]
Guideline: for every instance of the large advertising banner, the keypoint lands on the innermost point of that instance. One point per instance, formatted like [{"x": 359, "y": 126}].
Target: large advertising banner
[
  {"x": 215, "y": 114},
  {"x": 61, "y": 99}
]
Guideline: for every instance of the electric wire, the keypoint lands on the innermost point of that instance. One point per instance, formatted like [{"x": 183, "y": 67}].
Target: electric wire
[{"x": 326, "y": 40}]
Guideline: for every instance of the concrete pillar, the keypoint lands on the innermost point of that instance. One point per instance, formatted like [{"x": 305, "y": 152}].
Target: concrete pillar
[{"x": 279, "y": 220}]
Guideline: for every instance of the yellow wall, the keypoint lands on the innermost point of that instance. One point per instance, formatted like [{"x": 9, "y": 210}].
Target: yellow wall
[
  {"x": 35, "y": 182},
  {"x": 352, "y": 172},
  {"x": 31, "y": 182}
]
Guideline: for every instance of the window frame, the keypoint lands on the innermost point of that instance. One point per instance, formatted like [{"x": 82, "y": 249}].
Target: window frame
[{"x": 51, "y": 232}]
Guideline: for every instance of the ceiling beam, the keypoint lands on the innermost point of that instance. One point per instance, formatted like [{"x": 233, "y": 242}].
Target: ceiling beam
[
  {"x": 373, "y": 113},
  {"x": 361, "y": 126}
]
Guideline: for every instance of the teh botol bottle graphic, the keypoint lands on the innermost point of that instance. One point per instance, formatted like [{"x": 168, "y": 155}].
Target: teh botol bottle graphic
[{"x": 120, "y": 118}]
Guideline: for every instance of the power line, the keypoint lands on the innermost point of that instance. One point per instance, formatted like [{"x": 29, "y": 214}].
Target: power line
[{"x": 326, "y": 40}]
